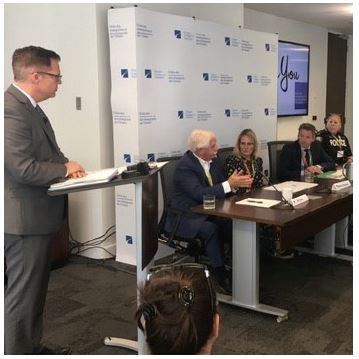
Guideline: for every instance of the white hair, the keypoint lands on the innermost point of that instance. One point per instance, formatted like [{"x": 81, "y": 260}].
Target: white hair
[{"x": 200, "y": 138}]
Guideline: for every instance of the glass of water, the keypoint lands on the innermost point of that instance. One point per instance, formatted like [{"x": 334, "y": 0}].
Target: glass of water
[
  {"x": 209, "y": 201},
  {"x": 308, "y": 177}
]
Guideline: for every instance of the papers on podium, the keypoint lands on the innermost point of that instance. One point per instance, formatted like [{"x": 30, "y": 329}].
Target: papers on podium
[
  {"x": 258, "y": 202},
  {"x": 92, "y": 177}
]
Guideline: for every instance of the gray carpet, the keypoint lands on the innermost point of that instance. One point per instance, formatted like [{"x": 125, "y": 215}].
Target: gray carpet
[{"x": 91, "y": 299}]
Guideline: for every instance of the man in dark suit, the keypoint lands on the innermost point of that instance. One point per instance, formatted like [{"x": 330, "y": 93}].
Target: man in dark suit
[
  {"x": 199, "y": 173},
  {"x": 305, "y": 156},
  {"x": 32, "y": 161}
]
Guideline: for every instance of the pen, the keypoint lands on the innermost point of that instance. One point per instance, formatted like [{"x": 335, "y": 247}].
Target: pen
[{"x": 252, "y": 201}]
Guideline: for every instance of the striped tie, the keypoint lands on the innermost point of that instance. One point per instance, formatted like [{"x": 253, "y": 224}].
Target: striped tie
[
  {"x": 42, "y": 113},
  {"x": 307, "y": 157}
]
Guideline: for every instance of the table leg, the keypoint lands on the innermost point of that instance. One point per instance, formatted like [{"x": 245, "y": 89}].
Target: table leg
[
  {"x": 246, "y": 271},
  {"x": 325, "y": 242},
  {"x": 341, "y": 234}
]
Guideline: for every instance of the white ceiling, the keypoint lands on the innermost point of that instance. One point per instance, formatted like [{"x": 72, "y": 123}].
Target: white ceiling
[{"x": 334, "y": 17}]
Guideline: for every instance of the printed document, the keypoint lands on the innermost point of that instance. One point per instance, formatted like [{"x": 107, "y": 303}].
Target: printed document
[
  {"x": 293, "y": 185},
  {"x": 258, "y": 202},
  {"x": 92, "y": 177}
]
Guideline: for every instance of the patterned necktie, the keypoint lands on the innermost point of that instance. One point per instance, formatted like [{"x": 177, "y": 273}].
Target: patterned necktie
[
  {"x": 42, "y": 113},
  {"x": 209, "y": 176},
  {"x": 210, "y": 181},
  {"x": 307, "y": 157}
]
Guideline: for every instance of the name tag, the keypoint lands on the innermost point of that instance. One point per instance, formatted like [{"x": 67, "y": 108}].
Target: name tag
[
  {"x": 299, "y": 200},
  {"x": 340, "y": 154},
  {"x": 340, "y": 185}
]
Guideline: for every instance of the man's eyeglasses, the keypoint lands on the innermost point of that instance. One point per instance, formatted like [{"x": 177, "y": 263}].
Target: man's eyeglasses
[
  {"x": 58, "y": 77},
  {"x": 187, "y": 295}
]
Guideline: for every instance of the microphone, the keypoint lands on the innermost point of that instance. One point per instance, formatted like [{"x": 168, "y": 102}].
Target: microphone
[{"x": 277, "y": 190}]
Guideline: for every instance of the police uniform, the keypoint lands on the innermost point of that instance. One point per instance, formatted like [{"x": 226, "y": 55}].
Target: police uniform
[{"x": 336, "y": 146}]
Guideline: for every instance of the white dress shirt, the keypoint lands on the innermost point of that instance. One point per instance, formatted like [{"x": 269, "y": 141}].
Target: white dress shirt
[{"x": 206, "y": 165}]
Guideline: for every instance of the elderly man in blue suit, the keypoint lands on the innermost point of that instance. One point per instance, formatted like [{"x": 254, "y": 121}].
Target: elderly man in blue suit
[{"x": 199, "y": 173}]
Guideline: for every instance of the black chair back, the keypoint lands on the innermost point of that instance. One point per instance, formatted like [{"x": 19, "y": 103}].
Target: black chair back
[
  {"x": 167, "y": 174},
  {"x": 274, "y": 151},
  {"x": 223, "y": 153}
]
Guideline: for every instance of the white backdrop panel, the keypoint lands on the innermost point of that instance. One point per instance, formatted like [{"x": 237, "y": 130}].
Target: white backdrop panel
[{"x": 171, "y": 74}]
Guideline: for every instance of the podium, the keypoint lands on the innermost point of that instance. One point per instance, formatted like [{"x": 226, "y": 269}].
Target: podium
[{"x": 146, "y": 209}]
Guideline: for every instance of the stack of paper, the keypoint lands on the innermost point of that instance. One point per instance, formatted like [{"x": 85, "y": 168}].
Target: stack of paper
[
  {"x": 92, "y": 177},
  {"x": 293, "y": 185},
  {"x": 258, "y": 202}
]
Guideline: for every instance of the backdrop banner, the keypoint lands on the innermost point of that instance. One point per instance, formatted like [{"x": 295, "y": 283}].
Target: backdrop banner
[{"x": 171, "y": 74}]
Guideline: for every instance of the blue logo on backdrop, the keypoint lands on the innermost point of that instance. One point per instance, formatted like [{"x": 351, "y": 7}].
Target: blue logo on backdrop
[
  {"x": 266, "y": 111},
  {"x": 127, "y": 157},
  {"x": 267, "y": 46},
  {"x": 151, "y": 157},
  {"x": 129, "y": 239},
  {"x": 178, "y": 34},
  {"x": 124, "y": 73},
  {"x": 227, "y": 41},
  {"x": 205, "y": 76},
  {"x": 227, "y": 112},
  {"x": 148, "y": 73},
  {"x": 185, "y": 114},
  {"x": 249, "y": 78}
]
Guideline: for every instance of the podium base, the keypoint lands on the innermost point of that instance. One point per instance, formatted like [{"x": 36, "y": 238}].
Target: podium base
[{"x": 122, "y": 343}]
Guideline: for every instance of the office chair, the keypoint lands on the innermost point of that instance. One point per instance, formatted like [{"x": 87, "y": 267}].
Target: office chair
[
  {"x": 274, "y": 150},
  {"x": 223, "y": 153},
  {"x": 192, "y": 247}
]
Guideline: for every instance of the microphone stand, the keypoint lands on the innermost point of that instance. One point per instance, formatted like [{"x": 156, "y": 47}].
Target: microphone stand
[{"x": 277, "y": 190}]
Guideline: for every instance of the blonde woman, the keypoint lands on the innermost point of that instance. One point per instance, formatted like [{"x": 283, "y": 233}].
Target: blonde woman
[{"x": 244, "y": 159}]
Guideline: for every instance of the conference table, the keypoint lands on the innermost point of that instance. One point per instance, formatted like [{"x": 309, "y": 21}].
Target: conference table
[{"x": 293, "y": 226}]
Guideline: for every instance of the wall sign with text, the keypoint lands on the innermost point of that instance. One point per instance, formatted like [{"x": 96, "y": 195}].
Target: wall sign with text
[{"x": 292, "y": 79}]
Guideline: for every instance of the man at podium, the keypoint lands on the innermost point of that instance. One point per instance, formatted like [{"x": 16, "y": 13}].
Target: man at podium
[{"x": 33, "y": 160}]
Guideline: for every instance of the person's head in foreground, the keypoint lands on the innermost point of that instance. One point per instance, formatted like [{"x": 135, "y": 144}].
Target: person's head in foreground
[{"x": 178, "y": 310}]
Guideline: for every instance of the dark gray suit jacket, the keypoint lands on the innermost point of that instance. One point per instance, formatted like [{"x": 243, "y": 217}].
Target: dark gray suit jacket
[
  {"x": 291, "y": 160},
  {"x": 32, "y": 161}
]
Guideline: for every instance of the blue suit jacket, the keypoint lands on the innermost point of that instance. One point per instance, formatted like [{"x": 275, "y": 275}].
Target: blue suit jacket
[
  {"x": 190, "y": 184},
  {"x": 291, "y": 160}
]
